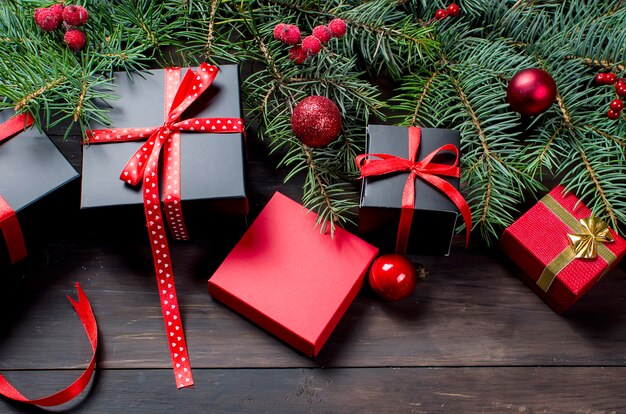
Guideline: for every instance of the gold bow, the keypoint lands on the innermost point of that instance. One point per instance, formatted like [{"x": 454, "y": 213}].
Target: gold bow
[{"x": 594, "y": 231}]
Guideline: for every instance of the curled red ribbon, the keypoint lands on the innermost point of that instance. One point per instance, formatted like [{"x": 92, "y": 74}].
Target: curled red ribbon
[
  {"x": 9, "y": 224},
  {"x": 88, "y": 320},
  {"x": 143, "y": 168},
  {"x": 425, "y": 170}
]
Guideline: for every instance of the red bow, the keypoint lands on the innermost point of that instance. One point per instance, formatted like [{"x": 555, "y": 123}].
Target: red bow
[
  {"x": 143, "y": 168},
  {"x": 88, "y": 320},
  {"x": 424, "y": 169},
  {"x": 9, "y": 225}
]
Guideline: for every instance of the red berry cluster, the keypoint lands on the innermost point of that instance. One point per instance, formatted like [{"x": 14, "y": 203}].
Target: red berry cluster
[
  {"x": 452, "y": 10},
  {"x": 311, "y": 45},
  {"x": 72, "y": 16},
  {"x": 616, "y": 105}
]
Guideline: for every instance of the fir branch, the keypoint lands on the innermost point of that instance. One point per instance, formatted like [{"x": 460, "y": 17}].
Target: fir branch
[
  {"x": 599, "y": 187},
  {"x": 35, "y": 94},
  {"x": 210, "y": 37},
  {"x": 604, "y": 64},
  {"x": 420, "y": 100}
]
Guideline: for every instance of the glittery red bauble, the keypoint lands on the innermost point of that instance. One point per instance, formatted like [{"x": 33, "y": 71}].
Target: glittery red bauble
[
  {"x": 316, "y": 121},
  {"x": 531, "y": 91},
  {"x": 393, "y": 277}
]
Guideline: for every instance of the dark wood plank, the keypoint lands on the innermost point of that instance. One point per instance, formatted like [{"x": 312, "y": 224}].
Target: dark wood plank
[
  {"x": 361, "y": 390},
  {"x": 472, "y": 310}
]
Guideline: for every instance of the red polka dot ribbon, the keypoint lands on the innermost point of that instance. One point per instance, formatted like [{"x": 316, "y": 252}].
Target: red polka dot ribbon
[
  {"x": 143, "y": 168},
  {"x": 9, "y": 224},
  {"x": 85, "y": 314},
  {"x": 425, "y": 169}
]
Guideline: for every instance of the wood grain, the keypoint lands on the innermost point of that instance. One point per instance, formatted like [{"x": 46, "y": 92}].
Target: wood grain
[{"x": 354, "y": 390}]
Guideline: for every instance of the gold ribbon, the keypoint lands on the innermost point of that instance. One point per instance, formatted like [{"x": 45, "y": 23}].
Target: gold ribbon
[{"x": 586, "y": 242}]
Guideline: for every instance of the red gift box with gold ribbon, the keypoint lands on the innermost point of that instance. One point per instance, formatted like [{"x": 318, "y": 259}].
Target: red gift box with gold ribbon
[{"x": 562, "y": 248}]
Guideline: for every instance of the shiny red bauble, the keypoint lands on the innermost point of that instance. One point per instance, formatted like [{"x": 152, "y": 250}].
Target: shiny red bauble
[
  {"x": 393, "y": 277},
  {"x": 316, "y": 121},
  {"x": 531, "y": 91}
]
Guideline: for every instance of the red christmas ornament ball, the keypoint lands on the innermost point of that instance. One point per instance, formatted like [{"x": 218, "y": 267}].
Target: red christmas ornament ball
[
  {"x": 531, "y": 91},
  {"x": 316, "y": 121},
  {"x": 393, "y": 277}
]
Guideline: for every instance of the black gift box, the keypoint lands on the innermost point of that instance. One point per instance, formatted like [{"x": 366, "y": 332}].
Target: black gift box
[
  {"x": 212, "y": 165},
  {"x": 31, "y": 169},
  {"x": 380, "y": 205}
]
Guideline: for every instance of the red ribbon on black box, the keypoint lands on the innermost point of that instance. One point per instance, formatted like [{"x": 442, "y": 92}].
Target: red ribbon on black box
[
  {"x": 143, "y": 168},
  {"x": 88, "y": 320},
  {"x": 9, "y": 224},
  {"x": 426, "y": 170}
]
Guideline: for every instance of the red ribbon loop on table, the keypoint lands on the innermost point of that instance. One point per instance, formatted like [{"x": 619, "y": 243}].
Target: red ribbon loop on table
[
  {"x": 9, "y": 224},
  {"x": 87, "y": 318},
  {"x": 426, "y": 170},
  {"x": 143, "y": 168}
]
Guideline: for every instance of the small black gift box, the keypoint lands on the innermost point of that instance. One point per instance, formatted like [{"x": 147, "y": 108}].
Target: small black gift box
[
  {"x": 212, "y": 177},
  {"x": 32, "y": 168},
  {"x": 435, "y": 216}
]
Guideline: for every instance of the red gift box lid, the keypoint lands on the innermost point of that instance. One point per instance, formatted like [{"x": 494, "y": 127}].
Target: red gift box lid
[{"x": 289, "y": 278}]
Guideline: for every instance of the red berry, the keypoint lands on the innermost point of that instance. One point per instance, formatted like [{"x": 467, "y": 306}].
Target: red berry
[
  {"x": 75, "y": 15},
  {"x": 75, "y": 39},
  {"x": 611, "y": 114},
  {"x": 337, "y": 27},
  {"x": 610, "y": 78},
  {"x": 620, "y": 87},
  {"x": 454, "y": 10},
  {"x": 311, "y": 45},
  {"x": 441, "y": 14},
  {"x": 297, "y": 55},
  {"x": 323, "y": 33},
  {"x": 601, "y": 79},
  {"x": 617, "y": 105},
  {"x": 46, "y": 19},
  {"x": 58, "y": 10},
  {"x": 280, "y": 30},
  {"x": 292, "y": 35}
]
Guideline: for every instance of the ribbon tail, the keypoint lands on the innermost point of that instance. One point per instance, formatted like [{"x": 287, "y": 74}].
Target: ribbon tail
[
  {"x": 87, "y": 318},
  {"x": 456, "y": 197},
  {"x": 406, "y": 215},
  {"x": 12, "y": 232}
]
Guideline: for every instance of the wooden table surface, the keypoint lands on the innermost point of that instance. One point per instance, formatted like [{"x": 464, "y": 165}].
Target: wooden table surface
[{"x": 472, "y": 337}]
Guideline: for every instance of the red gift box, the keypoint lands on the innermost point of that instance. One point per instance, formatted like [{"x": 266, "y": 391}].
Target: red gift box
[
  {"x": 289, "y": 278},
  {"x": 549, "y": 243}
]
